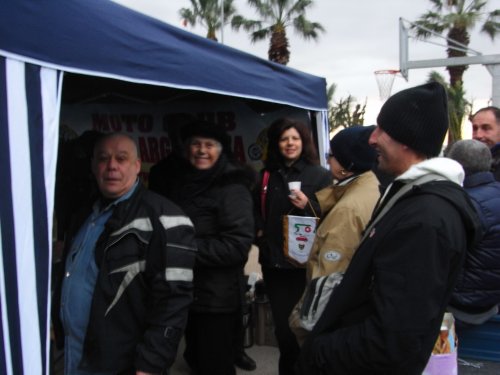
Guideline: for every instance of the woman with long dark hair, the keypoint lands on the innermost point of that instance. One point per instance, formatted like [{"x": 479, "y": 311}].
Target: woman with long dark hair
[{"x": 291, "y": 156}]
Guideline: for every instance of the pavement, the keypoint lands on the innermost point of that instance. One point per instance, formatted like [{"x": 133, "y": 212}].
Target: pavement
[
  {"x": 266, "y": 356},
  {"x": 267, "y": 364},
  {"x": 467, "y": 366}
]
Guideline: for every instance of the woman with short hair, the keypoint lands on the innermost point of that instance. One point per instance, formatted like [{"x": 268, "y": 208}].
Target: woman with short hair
[
  {"x": 346, "y": 206},
  {"x": 215, "y": 193}
]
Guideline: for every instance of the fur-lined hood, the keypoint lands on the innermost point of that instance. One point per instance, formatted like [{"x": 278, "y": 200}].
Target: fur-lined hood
[{"x": 237, "y": 174}]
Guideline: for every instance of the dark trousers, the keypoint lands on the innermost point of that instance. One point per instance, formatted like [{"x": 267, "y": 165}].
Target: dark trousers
[
  {"x": 210, "y": 343},
  {"x": 239, "y": 337},
  {"x": 284, "y": 287}
]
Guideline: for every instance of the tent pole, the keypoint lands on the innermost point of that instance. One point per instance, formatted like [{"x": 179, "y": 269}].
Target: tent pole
[{"x": 222, "y": 21}]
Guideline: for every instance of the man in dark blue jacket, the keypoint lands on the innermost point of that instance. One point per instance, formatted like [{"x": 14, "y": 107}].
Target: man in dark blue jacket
[
  {"x": 477, "y": 293},
  {"x": 385, "y": 316}
]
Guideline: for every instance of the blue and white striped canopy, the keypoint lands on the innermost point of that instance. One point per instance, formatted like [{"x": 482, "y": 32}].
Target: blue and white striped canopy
[{"x": 39, "y": 41}]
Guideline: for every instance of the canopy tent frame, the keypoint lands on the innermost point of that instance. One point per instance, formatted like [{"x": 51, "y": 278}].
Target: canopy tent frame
[{"x": 41, "y": 42}]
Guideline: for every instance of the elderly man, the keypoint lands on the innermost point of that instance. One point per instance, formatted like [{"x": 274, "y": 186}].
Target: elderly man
[
  {"x": 128, "y": 274},
  {"x": 486, "y": 129},
  {"x": 477, "y": 293},
  {"x": 386, "y": 314}
]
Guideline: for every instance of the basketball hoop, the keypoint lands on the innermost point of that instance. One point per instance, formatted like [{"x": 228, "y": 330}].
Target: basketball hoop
[{"x": 385, "y": 79}]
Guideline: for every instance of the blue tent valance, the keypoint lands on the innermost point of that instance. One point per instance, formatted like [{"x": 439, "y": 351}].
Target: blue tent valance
[{"x": 103, "y": 38}]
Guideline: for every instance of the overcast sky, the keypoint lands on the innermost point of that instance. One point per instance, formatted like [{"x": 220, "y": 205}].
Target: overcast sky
[{"x": 361, "y": 36}]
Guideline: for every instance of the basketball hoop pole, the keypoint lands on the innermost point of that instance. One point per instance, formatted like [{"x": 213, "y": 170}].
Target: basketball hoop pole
[
  {"x": 494, "y": 70},
  {"x": 403, "y": 49}
]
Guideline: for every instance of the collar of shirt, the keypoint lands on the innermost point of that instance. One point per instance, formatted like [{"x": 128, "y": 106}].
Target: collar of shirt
[{"x": 96, "y": 208}]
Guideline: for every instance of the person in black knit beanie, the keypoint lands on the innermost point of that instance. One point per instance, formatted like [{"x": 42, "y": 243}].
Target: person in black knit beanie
[{"x": 386, "y": 314}]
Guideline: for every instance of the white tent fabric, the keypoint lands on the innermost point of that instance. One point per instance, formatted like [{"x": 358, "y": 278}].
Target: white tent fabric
[
  {"x": 39, "y": 41},
  {"x": 28, "y": 146}
]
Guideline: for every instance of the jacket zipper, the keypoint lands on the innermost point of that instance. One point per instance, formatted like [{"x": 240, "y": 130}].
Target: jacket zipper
[{"x": 122, "y": 236}]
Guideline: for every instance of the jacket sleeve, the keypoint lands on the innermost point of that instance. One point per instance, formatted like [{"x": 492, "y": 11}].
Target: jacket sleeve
[
  {"x": 409, "y": 289},
  {"x": 257, "y": 204},
  {"x": 172, "y": 254},
  {"x": 235, "y": 224}
]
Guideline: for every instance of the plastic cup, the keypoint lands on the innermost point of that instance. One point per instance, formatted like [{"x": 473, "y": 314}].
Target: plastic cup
[{"x": 293, "y": 185}]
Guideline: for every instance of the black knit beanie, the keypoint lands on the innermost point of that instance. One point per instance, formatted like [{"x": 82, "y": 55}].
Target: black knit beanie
[
  {"x": 207, "y": 129},
  {"x": 351, "y": 149},
  {"x": 417, "y": 117}
]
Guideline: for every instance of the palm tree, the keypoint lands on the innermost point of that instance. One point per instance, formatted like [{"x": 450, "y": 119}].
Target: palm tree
[
  {"x": 208, "y": 14},
  {"x": 276, "y": 16},
  {"x": 341, "y": 114},
  {"x": 457, "y": 17},
  {"x": 458, "y": 106}
]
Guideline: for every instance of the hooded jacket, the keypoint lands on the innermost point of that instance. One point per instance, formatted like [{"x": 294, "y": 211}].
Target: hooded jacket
[
  {"x": 347, "y": 209},
  {"x": 386, "y": 314}
]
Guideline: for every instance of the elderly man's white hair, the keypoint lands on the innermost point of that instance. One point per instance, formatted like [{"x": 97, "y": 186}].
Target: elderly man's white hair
[{"x": 473, "y": 155}]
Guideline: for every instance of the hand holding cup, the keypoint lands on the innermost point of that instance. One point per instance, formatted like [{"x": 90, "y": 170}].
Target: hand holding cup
[{"x": 293, "y": 186}]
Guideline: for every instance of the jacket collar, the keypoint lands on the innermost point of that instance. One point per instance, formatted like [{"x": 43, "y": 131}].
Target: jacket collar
[
  {"x": 495, "y": 149},
  {"x": 477, "y": 179},
  {"x": 329, "y": 196},
  {"x": 299, "y": 165}
]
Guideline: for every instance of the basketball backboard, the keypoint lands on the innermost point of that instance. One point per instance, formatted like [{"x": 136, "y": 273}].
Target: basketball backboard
[{"x": 491, "y": 62}]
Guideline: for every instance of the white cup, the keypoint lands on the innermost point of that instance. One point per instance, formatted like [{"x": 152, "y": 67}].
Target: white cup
[{"x": 293, "y": 185}]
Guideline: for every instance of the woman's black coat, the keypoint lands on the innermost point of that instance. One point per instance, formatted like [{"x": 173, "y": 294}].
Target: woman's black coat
[
  {"x": 313, "y": 178},
  {"x": 219, "y": 204}
]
